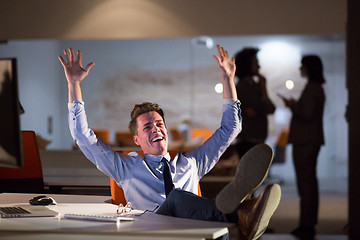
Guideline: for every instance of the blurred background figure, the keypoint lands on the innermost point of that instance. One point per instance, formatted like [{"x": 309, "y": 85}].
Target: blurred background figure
[
  {"x": 255, "y": 103},
  {"x": 306, "y": 136}
]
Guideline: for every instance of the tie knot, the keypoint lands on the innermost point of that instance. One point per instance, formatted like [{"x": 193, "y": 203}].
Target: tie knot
[{"x": 164, "y": 161}]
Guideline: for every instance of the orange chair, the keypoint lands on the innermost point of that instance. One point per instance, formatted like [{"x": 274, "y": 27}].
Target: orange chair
[
  {"x": 103, "y": 134},
  {"x": 203, "y": 133},
  {"x": 124, "y": 139},
  {"x": 29, "y": 178},
  {"x": 117, "y": 194},
  {"x": 175, "y": 134}
]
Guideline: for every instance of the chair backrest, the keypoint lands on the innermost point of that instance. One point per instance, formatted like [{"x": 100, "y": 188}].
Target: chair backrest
[
  {"x": 117, "y": 194},
  {"x": 175, "y": 134},
  {"x": 124, "y": 139},
  {"x": 103, "y": 134},
  {"x": 29, "y": 178},
  {"x": 280, "y": 151},
  {"x": 283, "y": 138},
  {"x": 203, "y": 133}
]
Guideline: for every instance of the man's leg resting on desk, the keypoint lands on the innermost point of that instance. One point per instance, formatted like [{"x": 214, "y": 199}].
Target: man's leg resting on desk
[
  {"x": 185, "y": 204},
  {"x": 232, "y": 203}
]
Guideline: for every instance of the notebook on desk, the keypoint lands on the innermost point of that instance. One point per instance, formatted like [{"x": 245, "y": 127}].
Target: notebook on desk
[
  {"x": 98, "y": 217},
  {"x": 26, "y": 211},
  {"x": 109, "y": 217}
]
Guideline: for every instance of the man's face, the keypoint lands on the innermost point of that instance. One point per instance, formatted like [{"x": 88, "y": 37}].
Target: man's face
[{"x": 152, "y": 135}]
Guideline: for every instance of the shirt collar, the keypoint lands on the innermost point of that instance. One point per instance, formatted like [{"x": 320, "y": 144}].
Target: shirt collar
[{"x": 156, "y": 158}]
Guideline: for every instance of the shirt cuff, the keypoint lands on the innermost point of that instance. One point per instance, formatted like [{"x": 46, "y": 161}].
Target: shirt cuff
[
  {"x": 230, "y": 101},
  {"x": 75, "y": 102}
]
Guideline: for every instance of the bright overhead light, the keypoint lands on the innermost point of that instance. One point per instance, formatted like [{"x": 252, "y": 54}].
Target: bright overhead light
[
  {"x": 289, "y": 84},
  {"x": 219, "y": 88},
  {"x": 204, "y": 41},
  {"x": 279, "y": 52}
]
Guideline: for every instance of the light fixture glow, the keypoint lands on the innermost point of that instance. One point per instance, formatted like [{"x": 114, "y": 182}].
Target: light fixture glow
[
  {"x": 204, "y": 41},
  {"x": 279, "y": 53},
  {"x": 289, "y": 84},
  {"x": 219, "y": 88}
]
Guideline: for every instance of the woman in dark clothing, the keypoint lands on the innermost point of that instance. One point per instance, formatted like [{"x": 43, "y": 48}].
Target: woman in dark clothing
[{"x": 306, "y": 135}]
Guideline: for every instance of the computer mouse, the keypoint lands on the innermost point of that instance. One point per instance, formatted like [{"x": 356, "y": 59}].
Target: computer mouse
[{"x": 42, "y": 200}]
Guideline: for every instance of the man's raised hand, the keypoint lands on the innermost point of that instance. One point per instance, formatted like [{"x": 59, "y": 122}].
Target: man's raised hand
[
  {"x": 73, "y": 69},
  {"x": 227, "y": 67}
]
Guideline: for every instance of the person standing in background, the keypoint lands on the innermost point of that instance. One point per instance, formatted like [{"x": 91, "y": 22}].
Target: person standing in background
[
  {"x": 255, "y": 102},
  {"x": 306, "y": 136}
]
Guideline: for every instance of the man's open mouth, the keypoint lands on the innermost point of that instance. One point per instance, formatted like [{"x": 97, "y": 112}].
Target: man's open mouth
[{"x": 157, "y": 139}]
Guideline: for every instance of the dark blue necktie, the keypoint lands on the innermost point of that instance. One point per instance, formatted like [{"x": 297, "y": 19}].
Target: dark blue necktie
[{"x": 167, "y": 177}]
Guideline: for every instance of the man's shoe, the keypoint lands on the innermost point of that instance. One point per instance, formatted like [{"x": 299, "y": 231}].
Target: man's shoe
[
  {"x": 250, "y": 173},
  {"x": 254, "y": 214}
]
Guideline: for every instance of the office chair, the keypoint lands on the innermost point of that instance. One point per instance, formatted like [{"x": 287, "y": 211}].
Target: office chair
[
  {"x": 103, "y": 134},
  {"x": 200, "y": 133},
  {"x": 117, "y": 194},
  {"x": 29, "y": 178},
  {"x": 279, "y": 155},
  {"x": 124, "y": 139}
]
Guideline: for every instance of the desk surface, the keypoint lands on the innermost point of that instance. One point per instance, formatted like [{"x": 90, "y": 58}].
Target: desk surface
[{"x": 149, "y": 225}]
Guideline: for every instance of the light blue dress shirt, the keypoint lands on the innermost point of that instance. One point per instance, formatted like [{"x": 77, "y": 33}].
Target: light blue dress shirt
[{"x": 142, "y": 179}]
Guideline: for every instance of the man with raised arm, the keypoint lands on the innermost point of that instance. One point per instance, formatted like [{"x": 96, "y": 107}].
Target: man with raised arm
[{"x": 170, "y": 186}]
